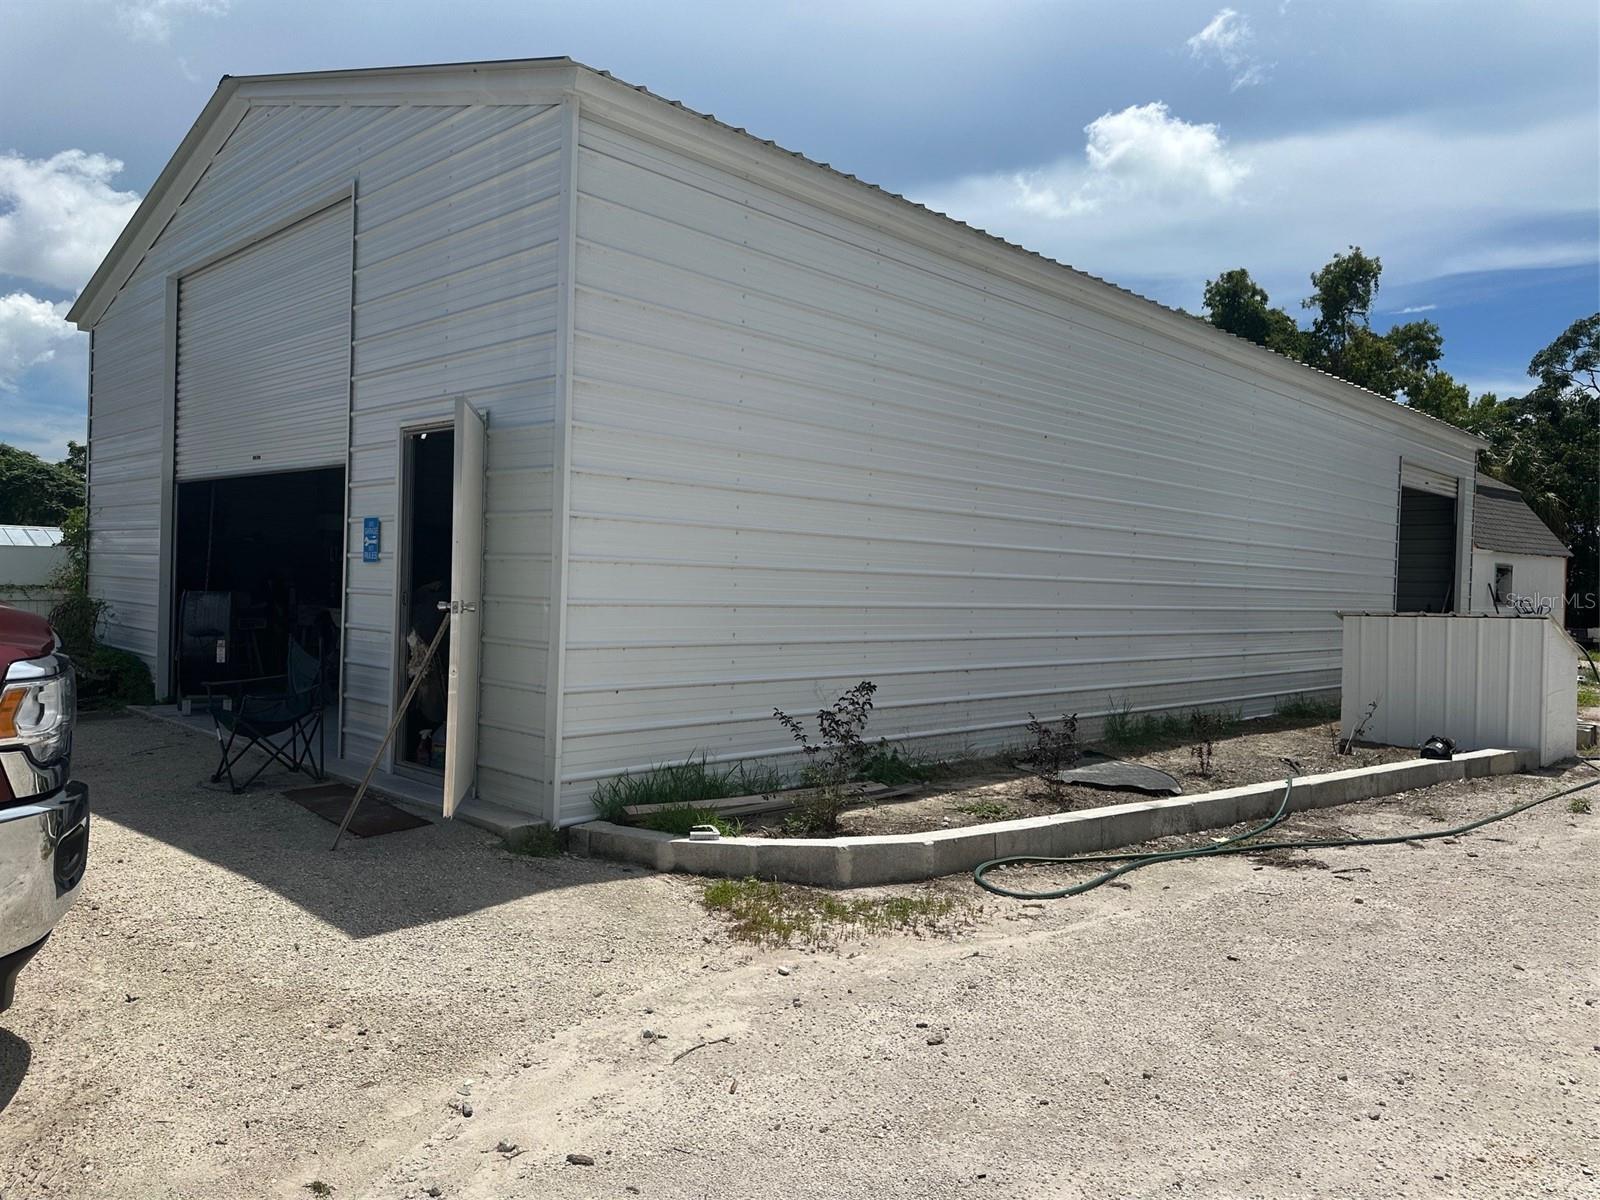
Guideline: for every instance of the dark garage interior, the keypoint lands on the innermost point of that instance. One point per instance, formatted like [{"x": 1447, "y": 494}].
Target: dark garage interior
[
  {"x": 257, "y": 561},
  {"x": 1425, "y": 569}
]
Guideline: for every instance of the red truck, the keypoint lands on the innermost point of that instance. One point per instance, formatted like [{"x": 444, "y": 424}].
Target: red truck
[{"x": 44, "y": 815}]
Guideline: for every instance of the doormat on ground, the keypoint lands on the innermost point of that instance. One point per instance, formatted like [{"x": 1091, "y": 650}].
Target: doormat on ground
[
  {"x": 330, "y": 801},
  {"x": 1102, "y": 771}
]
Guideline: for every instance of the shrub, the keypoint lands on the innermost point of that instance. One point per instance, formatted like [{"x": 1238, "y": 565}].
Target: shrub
[
  {"x": 77, "y": 622},
  {"x": 1206, "y": 728},
  {"x": 834, "y": 759},
  {"x": 111, "y": 678},
  {"x": 1053, "y": 748}
]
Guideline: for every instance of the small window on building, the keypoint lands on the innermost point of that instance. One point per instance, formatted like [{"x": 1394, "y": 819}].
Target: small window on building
[{"x": 1502, "y": 583}]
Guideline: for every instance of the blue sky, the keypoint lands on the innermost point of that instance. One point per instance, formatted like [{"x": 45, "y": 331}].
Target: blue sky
[{"x": 1153, "y": 144}]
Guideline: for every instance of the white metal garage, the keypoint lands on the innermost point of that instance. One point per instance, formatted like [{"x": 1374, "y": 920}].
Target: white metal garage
[{"x": 757, "y": 431}]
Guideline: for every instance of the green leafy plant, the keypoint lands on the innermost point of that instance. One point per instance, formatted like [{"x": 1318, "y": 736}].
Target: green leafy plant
[
  {"x": 893, "y": 766},
  {"x": 1579, "y": 804},
  {"x": 833, "y": 759}
]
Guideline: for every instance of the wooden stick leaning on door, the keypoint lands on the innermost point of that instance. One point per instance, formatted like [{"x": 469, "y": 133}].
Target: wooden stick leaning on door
[{"x": 399, "y": 715}]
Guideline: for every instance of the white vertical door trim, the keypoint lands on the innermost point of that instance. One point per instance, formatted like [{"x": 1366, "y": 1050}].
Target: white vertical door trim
[
  {"x": 466, "y": 603},
  {"x": 344, "y": 527}
]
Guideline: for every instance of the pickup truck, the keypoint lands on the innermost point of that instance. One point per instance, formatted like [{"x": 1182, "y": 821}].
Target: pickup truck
[{"x": 44, "y": 815}]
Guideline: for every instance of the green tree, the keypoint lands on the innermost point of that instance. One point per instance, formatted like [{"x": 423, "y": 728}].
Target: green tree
[
  {"x": 36, "y": 492},
  {"x": 1547, "y": 445},
  {"x": 1341, "y": 297},
  {"x": 1238, "y": 304}
]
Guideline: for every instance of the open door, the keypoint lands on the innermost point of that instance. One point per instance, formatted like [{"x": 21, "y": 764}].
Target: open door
[{"x": 466, "y": 594}]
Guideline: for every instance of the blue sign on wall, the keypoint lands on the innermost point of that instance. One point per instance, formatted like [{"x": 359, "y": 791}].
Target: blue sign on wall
[{"x": 369, "y": 538}]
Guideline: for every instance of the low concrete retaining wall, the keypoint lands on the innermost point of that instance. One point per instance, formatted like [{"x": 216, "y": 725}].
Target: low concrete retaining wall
[{"x": 900, "y": 858}]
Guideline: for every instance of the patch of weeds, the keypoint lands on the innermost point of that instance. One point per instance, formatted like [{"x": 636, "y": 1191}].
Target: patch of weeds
[
  {"x": 988, "y": 810},
  {"x": 1588, "y": 696},
  {"x": 678, "y": 819},
  {"x": 833, "y": 759},
  {"x": 894, "y": 766},
  {"x": 1579, "y": 804},
  {"x": 690, "y": 782},
  {"x": 1311, "y": 709},
  {"x": 1134, "y": 733},
  {"x": 776, "y": 914},
  {"x": 317, "y": 1188},
  {"x": 535, "y": 841}
]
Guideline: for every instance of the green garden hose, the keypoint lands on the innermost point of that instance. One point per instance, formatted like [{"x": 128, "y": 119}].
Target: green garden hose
[{"x": 1238, "y": 844}]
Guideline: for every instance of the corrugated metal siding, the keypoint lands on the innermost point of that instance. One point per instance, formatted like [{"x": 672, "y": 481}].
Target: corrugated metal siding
[
  {"x": 457, "y": 215},
  {"x": 1486, "y": 682},
  {"x": 263, "y": 379},
  {"x": 805, "y": 453}
]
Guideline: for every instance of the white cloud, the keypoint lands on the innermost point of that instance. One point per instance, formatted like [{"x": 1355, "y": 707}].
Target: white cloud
[
  {"x": 1430, "y": 199},
  {"x": 41, "y": 355},
  {"x": 1415, "y": 308},
  {"x": 1228, "y": 39},
  {"x": 1142, "y": 153},
  {"x": 31, "y": 332},
  {"x": 153, "y": 20},
  {"x": 59, "y": 215}
]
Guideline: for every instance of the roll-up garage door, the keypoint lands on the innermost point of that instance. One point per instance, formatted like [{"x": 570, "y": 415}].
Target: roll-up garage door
[
  {"x": 1423, "y": 479},
  {"x": 263, "y": 354}
]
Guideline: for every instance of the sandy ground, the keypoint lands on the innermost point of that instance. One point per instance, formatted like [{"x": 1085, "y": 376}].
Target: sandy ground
[
  {"x": 1254, "y": 756},
  {"x": 1404, "y": 1021}
]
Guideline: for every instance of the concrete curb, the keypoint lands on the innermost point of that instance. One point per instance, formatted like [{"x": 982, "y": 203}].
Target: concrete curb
[{"x": 901, "y": 858}]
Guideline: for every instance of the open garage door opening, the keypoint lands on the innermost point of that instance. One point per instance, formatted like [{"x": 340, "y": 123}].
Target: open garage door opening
[
  {"x": 1425, "y": 566},
  {"x": 257, "y": 565}
]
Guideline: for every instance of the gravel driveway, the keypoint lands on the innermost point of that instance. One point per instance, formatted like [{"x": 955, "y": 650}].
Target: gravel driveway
[{"x": 234, "y": 1011}]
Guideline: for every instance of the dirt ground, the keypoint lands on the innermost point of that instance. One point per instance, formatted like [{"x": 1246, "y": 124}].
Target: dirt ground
[
  {"x": 232, "y": 1011},
  {"x": 1004, "y": 794}
]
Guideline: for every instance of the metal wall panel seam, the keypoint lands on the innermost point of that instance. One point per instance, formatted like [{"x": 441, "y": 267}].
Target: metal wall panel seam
[{"x": 561, "y": 496}]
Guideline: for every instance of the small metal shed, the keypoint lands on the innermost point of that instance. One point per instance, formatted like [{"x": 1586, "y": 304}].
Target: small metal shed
[
  {"x": 29, "y": 556},
  {"x": 1484, "y": 681}
]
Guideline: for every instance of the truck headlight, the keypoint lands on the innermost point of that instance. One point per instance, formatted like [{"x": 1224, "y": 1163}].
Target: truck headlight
[{"x": 37, "y": 704}]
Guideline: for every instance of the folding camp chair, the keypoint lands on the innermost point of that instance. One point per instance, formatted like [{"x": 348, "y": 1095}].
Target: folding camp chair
[{"x": 258, "y": 715}]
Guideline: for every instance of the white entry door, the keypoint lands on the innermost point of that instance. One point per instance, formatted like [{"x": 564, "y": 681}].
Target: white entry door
[{"x": 466, "y": 599}]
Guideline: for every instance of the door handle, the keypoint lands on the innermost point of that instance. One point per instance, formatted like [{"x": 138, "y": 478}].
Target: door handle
[{"x": 456, "y": 607}]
